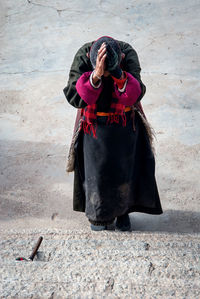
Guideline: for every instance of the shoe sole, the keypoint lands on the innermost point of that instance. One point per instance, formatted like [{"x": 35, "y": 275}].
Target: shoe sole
[
  {"x": 123, "y": 229},
  {"x": 98, "y": 228}
]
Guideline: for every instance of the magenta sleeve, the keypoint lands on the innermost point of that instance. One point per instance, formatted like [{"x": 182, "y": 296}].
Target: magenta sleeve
[
  {"x": 131, "y": 93},
  {"x": 87, "y": 92}
]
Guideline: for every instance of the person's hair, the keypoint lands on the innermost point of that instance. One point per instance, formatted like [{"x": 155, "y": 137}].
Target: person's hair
[{"x": 97, "y": 44}]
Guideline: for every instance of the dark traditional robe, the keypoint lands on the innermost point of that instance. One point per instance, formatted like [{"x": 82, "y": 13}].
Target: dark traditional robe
[{"x": 124, "y": 179}]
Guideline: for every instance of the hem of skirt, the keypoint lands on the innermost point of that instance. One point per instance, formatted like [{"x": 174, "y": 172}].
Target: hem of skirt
[
  {"x": 140, "y": 209},
  {"x": 101, "y": 222},
  {"x": 131, "y": 210},
  {"x": 79, "y": 209}
]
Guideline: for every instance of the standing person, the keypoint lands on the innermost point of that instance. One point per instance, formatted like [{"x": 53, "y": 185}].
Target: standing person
[{"x": 111, "y": 151}]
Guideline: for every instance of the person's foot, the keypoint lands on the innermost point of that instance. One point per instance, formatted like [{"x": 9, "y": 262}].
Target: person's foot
[
  {"x": 98, "y": 227},
  {"x": 103, "y": 225},
  {"x": 123, "y": 223}
]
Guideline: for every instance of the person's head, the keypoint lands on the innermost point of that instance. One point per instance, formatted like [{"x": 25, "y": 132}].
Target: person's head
[{"x": 96, "y": 46}]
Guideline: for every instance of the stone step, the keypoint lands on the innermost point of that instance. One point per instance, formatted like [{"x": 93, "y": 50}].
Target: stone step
[{"x": 107, "y": 264}]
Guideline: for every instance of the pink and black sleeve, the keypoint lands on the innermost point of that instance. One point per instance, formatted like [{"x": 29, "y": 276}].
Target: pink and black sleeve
[
  {"x": 127, "y": 90},
  {"x": 86, "y": 91}
]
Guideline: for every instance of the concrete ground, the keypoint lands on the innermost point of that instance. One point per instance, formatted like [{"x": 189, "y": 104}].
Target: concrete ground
[{"x": 38, "y": 42}]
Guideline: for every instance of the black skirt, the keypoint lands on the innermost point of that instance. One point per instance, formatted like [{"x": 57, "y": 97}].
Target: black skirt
[{"x": 115, "y": 173}]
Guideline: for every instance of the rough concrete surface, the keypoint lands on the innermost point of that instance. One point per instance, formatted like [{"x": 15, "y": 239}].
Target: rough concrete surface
[{"x": 38, "y": 41}]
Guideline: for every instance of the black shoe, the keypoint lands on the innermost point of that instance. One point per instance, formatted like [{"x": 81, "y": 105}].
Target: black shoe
[
  {"x": 123, "y": 223},
  {"x": 98, "y": 227},
  {"x": 103, "y": 225}
]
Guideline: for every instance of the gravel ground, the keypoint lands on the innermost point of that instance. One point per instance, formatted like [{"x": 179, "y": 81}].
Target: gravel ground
[{"x": 109, "y": 264}]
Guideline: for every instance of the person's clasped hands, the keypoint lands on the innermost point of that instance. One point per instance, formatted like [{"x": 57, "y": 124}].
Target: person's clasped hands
[{"x": 107, "y": 63}]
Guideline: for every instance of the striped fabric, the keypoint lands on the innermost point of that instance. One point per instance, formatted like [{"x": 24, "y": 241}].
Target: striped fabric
[{"x": 89, "y": 117}]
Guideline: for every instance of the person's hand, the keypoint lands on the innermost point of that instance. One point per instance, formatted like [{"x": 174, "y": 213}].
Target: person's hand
[{"x": 100, "y": 62}]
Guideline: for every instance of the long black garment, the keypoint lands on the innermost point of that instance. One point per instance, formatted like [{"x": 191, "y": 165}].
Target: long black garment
[{"x": 116, "y": 171}]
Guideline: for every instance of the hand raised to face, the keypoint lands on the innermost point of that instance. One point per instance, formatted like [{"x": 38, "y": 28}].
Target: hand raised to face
[
  {"x": 107, "y": 62},
  {"x": 100, "y": 62}
]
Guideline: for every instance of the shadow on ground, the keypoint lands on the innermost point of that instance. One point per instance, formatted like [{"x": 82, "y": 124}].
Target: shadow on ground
[
  {"x": 176, "y": 221},
  {"x": 34, "y": 184}
]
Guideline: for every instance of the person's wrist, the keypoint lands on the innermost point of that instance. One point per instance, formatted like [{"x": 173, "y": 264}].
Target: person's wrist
[
  {"x": 96, "y": 74},
  {"x": 95, "y": 77},
  {"x": 94, "y": 80}
]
